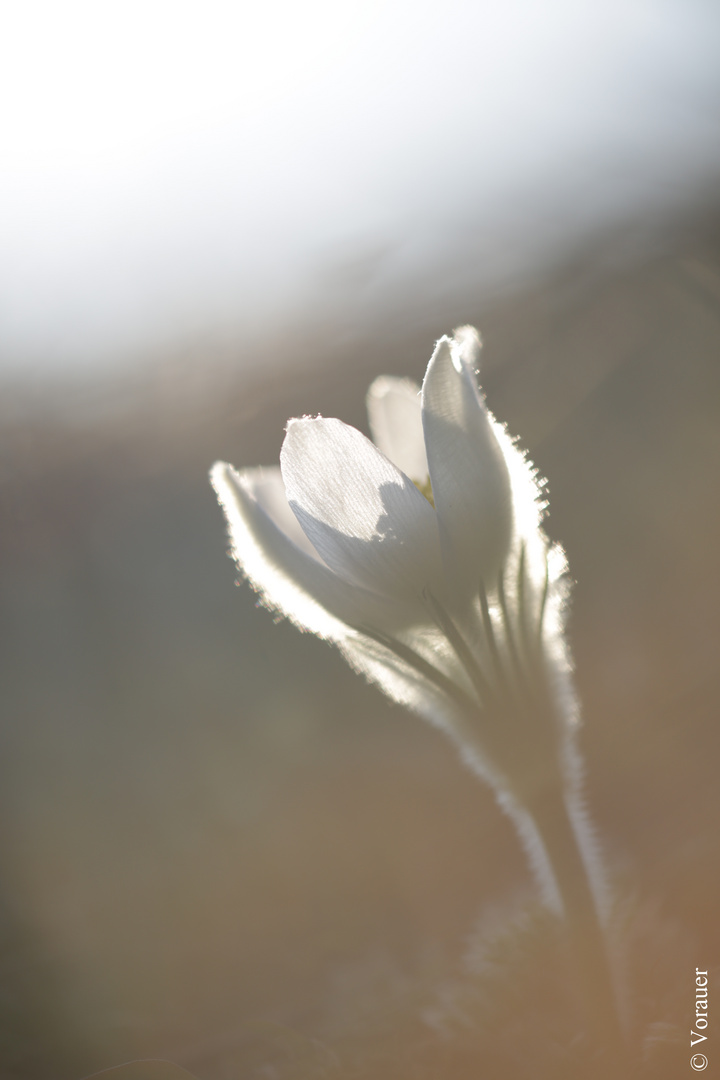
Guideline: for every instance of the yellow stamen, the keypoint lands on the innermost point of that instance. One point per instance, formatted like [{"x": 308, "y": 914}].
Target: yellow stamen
[{"x": 425, "y": 488}]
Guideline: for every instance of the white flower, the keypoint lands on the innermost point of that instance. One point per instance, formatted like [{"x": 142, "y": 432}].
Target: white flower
[{"x": 422, "y": 558}]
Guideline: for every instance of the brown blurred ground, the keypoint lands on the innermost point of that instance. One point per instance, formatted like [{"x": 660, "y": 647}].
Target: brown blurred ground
[{"x": 209, "y": 824}]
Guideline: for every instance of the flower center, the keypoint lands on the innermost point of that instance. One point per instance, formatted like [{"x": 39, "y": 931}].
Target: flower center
[{"x": 425, "y": 488}]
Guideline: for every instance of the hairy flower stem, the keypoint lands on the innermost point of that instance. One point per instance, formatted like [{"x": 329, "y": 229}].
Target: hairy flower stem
[
  {"x": 503, "y": 729},
  {"x": 585, "y": 933}
]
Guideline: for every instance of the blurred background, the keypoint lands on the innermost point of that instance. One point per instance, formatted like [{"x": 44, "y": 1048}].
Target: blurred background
[{"x": 217, "y": 844}]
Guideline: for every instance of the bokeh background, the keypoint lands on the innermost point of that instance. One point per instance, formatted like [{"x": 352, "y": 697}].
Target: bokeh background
[{"x": 217, "y": 845}]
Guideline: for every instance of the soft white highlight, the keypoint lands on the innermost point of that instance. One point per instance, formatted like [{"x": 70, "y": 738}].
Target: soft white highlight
[
  {"x": 366, "y": 519},
  {"x": 395, "y": 418},
  {"x": 468, "y": 471}
]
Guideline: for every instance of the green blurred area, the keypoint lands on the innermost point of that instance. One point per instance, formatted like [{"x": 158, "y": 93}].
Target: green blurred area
[{"x": 208, "y": 822}]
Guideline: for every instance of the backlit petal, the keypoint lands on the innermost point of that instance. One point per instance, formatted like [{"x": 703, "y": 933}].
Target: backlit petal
[
  {"x": 469, "y": 475},
  {"x": 366, "y": 519},
  {"x": 290, "y": 580},
  {"x": 266, "y": 486},
  {"x": 396, "y": 424}
]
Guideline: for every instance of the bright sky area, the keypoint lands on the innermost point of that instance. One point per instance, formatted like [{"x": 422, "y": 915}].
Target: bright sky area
[{"x": 171, "y": 167}]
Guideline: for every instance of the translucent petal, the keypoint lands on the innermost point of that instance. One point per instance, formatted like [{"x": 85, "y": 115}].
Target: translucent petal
[
  {"x": 544, "y": 579},
  {"x": 267, "y": 488},
  {"x": 366, "y": 519},
  {"x": 396, "y": 424},
  {"x": 403, "y": 683},
  {"x": 469, "y": 475},
  {"x": 288, "y": 579}
]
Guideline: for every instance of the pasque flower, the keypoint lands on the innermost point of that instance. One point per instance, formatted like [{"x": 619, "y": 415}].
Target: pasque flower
[{"x": 422, "y": 557}]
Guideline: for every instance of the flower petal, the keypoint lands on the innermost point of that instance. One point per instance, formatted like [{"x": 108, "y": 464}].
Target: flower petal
[
  {"x": 403, "y": 682},
  {"x": 468, "y": 472},
  {"x": 288, "y": 579},
  {"x": 396, "y": 424},
  {"x": 265, "y": 485},
  {"x": 366, "y": 519},
  {"x": 315, "y": 599}
]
